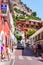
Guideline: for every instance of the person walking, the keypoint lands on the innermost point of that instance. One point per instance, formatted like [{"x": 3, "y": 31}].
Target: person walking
[
  {"x": 1, "y": 46},
  {"x": 6, "y": 52},
  {"x": 39, "y": 49},
  {"x": 34, "y": 49},
  {"x": 6, "y": 46},
  {"x": 1, "y": 50}
]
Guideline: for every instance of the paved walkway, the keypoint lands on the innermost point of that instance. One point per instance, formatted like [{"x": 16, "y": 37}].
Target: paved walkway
[
  {"x": 26, "y": 57},
  {"x": 6, "y": 62}
]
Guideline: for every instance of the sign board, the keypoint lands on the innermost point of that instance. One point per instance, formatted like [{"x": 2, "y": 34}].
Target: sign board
[{"x": 4, "y": 7}]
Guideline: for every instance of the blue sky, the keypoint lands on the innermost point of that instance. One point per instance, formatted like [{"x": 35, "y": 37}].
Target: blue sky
[{"x": 35, "y": 5}]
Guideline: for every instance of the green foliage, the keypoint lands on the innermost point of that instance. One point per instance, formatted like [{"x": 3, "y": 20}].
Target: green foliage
[
  {"x": 13, "y": 16},
  {"x": 34, "y": 14},
  {"x": 17, "y": 10},
  {"x": 17, "y": 18},
  {"x": 33, "y": 18},
  {"x": 14, "y": 20},
  {"x": 14, "y": 23},
  {"x": 4, "y": 12},
  {"x": 30, "y": 32},
  {"x": 19, "y": 37},
  {"x": 22, "y": 17}
]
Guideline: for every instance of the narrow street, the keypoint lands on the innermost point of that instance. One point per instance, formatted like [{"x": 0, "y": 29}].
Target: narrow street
[
  {"x": 26, "y": 57},
  {"x": 21, "y": 26}
]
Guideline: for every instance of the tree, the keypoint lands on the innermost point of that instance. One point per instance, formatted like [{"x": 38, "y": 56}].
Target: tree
[
  {"x": 30, "y": 32},
  {"x": 22, "y": 17},
  {"x": 21, "y": 2},
  {"x": 18, "y": 37},
  {"x": 34, "y": 14}
]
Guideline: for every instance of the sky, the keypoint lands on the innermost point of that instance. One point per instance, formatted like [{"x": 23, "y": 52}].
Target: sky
[{"x": 35, "y": 5}]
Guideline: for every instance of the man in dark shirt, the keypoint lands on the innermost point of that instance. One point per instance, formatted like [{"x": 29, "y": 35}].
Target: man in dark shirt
[{"x": 39, "y": 49}]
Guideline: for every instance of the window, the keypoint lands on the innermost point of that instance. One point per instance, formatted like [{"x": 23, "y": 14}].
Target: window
[
  {"x": 29, "y": 21},
  {"x": 34, "y": 23}
]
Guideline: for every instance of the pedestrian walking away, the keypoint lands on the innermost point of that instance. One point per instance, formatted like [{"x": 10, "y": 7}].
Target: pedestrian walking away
[{"x": 39, "y": 49}]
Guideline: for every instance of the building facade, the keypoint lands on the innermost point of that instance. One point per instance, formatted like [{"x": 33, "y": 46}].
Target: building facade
[
  {"x": 4, "y": 21},
  {"x": 37, "y": 37},
  {"x": 25, "y": 25}
]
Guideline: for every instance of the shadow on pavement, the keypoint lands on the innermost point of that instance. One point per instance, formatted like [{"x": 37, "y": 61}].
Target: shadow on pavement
[{"x": 27, "y": 52}]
